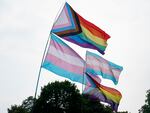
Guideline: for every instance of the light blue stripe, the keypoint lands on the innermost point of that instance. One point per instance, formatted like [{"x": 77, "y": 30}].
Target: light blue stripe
[
  {"x": 62, "y": 72},
  {"x": 92, "y": 54},
  {"x": 104, "y": 75},
  {"x": 57, "y": 40},
  {"x": 111, "y": 64},
  {"x": 115, "y": 66},
  {"x": 61, "y": 43}
]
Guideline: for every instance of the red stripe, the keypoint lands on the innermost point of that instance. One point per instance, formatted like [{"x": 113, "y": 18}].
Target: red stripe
[
  {"x": 111, "y": 90},
  {"x": 93, "y": 28},
  {"x": 108, "y": 89}
]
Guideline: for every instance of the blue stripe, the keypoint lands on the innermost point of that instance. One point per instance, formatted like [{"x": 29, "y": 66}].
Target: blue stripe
[
  {"x": 104, "y": 75},
  {"x": 62, "y": 72},
  {"x": 78, "y": 39}
]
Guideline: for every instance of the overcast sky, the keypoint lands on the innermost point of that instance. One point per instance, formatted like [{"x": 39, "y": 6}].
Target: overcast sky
[{"x": 24, "y": 30}]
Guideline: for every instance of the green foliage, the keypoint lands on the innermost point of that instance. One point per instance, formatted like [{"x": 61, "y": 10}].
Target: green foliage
[
  {"x": 17, "y": 109},
  {"x": 146, "y": 108},
  {"x": 64, "y": 97},
  {"x": 94, "y": 106},
  {"x": 26, "y": 106},
  {"x": 60, "y": 97}
]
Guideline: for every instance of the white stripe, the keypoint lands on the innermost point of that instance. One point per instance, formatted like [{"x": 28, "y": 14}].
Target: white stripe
[
  {"x": 66, "y": 57},
  {"x": 96, "y": 62}
]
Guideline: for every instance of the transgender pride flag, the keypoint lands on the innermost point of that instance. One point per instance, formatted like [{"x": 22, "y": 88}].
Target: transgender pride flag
[
  {"x": 96, "y": 65},
  {"x": 63, "y": 60}
]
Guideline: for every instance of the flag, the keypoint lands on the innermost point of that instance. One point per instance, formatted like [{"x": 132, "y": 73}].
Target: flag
[
  {"x": 74, "y": 28},
  {"x": 96, "y": 65},
  {"x": 103, "y": 93},
  {"x": 63, "y": 60}
]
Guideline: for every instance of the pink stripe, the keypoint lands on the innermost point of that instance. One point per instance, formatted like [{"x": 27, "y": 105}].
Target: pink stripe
[
  {"x": 99, "y": 60},
  {"x": 99, "y": 68},
  {"x": 64, "y": 65},
  {"x": 66, "y": 24},
  {"x": 103, "y": 70},
  {"x": 65, "y": 49},
  {"x": 100, "y": 64}
]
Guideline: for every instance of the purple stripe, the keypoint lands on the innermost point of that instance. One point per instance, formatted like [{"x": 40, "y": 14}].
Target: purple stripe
[
  {"x": 84, "y": 43},
  {"x": 95, "y": 94}
]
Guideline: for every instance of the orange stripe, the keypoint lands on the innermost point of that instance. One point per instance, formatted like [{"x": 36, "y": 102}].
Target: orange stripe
[
  {"x": 114, "y": 97},
  {"x": 93, "y": 29},
  {"x": 111, "y": 90},
  {"x": 95, "y": 39}
]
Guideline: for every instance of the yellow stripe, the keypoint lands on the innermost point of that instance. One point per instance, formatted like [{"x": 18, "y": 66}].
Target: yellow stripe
[
  {"x": 97, "y": 40},
  {"x": 116, "y": 98}
]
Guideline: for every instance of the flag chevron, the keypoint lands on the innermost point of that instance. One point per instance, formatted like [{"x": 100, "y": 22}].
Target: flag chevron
[
  {"x": 101, "y": 92},
  {"x": 74, "y": 28}
]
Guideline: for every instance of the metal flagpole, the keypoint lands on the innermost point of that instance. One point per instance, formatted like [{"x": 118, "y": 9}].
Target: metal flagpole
[
  {"x": 44, "y": 55},
  {"x": 41, "y": 67},
  {"x": 45, "y": 50},
  {"x": 84, "y": 73},
  {"x": 39, "y": 74}
]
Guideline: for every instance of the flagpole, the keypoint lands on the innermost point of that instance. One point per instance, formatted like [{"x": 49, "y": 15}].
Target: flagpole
[
  {"x": 84, "y": 70},
  {"x": 58, "y": 13},
  {"x": 41, "y": 67},
  {"x": 82, "y": 90},
  {"x": 45, "y": 50},
  {"x": 84, "y": 73}
]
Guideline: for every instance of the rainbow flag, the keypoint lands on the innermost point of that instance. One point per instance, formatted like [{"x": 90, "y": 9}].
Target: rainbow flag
[
  {"x": 103, "y": 93},
  {"x": 63, "y": 60},
  {"x": 96, "y": 65},
  {"x": 74, "y": 28}
]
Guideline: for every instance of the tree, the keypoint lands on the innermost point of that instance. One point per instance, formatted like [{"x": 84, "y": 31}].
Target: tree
[
  {"x": 26, "y": 106},
  {"x": 64, "y": 97},
  {"x": 58, "y": 97},
  {"x": 146, "y": 108},
  {"x": 94, "y": 106},
  {"x": 17, "y": 109}
]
